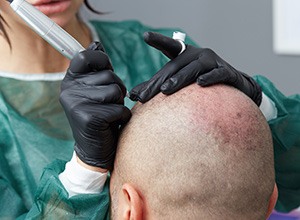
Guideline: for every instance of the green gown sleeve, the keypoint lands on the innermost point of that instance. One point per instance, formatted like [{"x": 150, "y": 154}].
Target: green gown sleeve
[
  {"x": 286, "y": 137},
  {"x": 52, "y": 202}
]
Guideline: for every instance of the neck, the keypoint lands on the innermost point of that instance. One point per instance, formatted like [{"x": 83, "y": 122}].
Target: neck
[{"x": 29, "y": 53}]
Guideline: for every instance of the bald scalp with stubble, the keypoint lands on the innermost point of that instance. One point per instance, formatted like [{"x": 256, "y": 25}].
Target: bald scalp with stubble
[{"x": 199, "y": 153}]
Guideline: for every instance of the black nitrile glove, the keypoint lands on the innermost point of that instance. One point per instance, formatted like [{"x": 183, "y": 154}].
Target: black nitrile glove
[
  {"x": 92, "y": 96},
  {"x": 193, "y": 64}
]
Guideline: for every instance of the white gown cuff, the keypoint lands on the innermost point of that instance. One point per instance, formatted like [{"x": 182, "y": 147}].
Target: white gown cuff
[
  {"x": 80, "y": 180},
  {"x": 268, "y": 108}
]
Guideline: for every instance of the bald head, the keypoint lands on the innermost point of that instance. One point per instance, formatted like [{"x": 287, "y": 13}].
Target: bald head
[{"x": 199, "y": 152}]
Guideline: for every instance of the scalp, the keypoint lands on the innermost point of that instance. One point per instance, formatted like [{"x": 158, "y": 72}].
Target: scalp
[{"x": 200, "y": 147}]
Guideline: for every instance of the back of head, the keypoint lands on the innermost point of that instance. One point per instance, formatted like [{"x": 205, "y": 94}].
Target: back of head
[{"x": 199, "y": 153}]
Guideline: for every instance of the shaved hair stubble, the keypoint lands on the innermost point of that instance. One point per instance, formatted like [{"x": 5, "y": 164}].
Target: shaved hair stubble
[{"x": 199, "y": 153}]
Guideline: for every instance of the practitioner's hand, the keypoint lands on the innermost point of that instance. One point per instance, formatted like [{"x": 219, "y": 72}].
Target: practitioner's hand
[
  {"x": 194, "y": 64},
  {"x": 92, "y": 96}
]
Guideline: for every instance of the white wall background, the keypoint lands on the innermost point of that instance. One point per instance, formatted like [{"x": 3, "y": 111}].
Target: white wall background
[{"x": 239, "y": 31}]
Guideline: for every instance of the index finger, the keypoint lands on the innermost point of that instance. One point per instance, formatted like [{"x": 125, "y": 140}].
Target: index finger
[{"x": 167, "y": 45}]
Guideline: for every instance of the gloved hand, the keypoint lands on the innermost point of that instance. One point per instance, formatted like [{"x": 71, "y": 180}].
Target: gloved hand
[
  {"x": 92, "y": 96},
  {"x": 193, "y": 64}
]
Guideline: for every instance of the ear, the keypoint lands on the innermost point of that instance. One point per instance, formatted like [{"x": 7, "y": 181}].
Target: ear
[
  {"x": 133, "y": 206},
  {"x": 272, "y": 201}
]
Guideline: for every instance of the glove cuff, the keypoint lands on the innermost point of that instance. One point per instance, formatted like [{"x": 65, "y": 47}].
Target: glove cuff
[
  {"x": 254, "y": 89},
  {"x": 257, "y": 92},
  {"x": 104, "y": 163}
]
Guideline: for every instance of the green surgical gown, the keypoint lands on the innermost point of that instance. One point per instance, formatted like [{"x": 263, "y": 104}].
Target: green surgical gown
[
  {"x": 36, "y": 141},
  {"x": 286, "y": 138}
]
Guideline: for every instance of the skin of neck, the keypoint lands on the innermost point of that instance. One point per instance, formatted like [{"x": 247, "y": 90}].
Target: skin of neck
[{"x": 29, "y": 53}]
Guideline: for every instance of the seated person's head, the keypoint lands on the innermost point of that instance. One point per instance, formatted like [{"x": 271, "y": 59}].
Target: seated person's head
[{"x": 201, "y": 153}]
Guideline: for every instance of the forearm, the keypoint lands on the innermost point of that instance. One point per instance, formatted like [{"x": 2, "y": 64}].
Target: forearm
[
  {"x": 79, "y": 178},
  {"x": 268, "y": 108}
]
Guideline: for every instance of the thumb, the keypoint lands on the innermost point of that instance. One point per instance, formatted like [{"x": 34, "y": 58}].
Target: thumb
[{"x": 168, "y": 46}]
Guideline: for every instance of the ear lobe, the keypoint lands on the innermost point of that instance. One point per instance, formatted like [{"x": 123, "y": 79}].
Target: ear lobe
[
  {"x": 273, "y": 200},
  {"x": 133, "y": 203}
]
